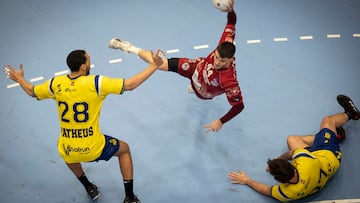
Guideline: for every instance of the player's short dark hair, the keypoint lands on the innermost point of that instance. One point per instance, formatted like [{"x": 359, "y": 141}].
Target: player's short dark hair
[
  {"x": 75, "y": 59},
  {"x": 226, "y": 50},
  {"x": 281, "y": 169}
]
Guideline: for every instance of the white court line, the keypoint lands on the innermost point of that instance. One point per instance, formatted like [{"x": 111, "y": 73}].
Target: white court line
[
  {"x": 204, "y": 46},
  {"x": 338, "y": 201},
  {"x": 171, "y": 51},
  {"x": 253, "y": 41},
  {"x": 36, "y": 79},
  {"x": 13, "y": 85},
  {"x": 61, "y": 72},
  {"x": 280, "y": 39},
  {"x": 333, "y": 36},
  {"x": 115, "y": 61},
  {"x": 308, "y": 37}
]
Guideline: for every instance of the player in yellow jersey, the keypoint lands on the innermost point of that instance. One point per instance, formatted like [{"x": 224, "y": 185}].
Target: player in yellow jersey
[
  {"x": 314, "y": 159},
  {"x": 79, "y": 98}
]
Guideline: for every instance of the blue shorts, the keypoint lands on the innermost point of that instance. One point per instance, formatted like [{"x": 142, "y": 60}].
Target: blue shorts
[
  {"x": 112, "y": 145},
  {"x": 325, "y": 140}
]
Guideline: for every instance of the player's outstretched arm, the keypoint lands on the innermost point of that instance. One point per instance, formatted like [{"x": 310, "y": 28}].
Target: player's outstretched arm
[
  {"x": 18, "y": 76},
  {"x": 242, "y": 178},
  {"x": 217, "y": 124},
  {"x": 139, "y": 78}
]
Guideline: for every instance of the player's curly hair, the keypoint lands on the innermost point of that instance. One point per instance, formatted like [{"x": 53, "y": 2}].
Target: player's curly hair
[
  {"x": 226, "y": 49},
  {"x": 281, "y": 169},
  {"x": 75, "y": 59}
]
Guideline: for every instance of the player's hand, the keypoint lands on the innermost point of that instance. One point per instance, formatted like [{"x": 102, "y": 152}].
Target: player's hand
[
  {"x": 158, "y": 58},
  {"x": 231, "y": 6},
  {"x": 215, "y": 126},
  {"x": 15, "y": 75},
  {"x": 239, "y": 177}
]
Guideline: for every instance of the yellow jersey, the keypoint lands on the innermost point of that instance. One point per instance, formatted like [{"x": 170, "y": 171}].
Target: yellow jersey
[
  {"x": 79, "y": 101},
  {"x": 314, "y": 170}
]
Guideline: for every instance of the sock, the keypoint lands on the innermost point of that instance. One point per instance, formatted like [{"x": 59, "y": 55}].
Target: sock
[
  {"x": 339, "y": 137},
  {"x": 340, "y": 133},
  {"x": 84, "y": 180},
  {"x": 128, "y": 184},
  {"x": 133, "y": 49},
  {"x": 348, "y": 115}
]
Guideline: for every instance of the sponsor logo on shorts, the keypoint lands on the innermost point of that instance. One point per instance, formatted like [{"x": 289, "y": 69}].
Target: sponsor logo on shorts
[{"x": 113, "y": 141}]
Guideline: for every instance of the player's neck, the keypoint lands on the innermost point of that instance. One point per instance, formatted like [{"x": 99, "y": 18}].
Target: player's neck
[
  {"x": 294, "y": 179},
  {"x": 74, "y": 74}
]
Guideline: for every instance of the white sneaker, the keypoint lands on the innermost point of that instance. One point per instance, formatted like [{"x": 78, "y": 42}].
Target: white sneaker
[
  {"x": 116, "y": 43},
  {"x": 190, "y": 89}
]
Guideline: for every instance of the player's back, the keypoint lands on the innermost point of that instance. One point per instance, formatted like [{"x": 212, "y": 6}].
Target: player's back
[
  {"x": 78, "y": 108},
  {"x": 77, "y": 100}
]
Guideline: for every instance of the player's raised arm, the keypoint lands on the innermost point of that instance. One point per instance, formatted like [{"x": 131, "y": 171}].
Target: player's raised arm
[{"x": 18, "y": 76}]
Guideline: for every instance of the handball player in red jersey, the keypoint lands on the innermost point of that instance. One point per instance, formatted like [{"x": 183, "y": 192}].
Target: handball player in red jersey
[{"x": 210, "y": 76}]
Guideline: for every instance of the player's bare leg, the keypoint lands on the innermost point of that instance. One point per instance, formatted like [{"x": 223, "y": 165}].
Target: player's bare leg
[
  {"x": 76, "y": 168},
  {"x": 331, "y": 122},
  {"x": 90, "y": 188},
  {"x": 300, "y": 141},
  {"x": 145, "y": 55},
  {"x": 126, "y": 168},
  {"x": 334, "y": 121},
  {"x": 125, "y": 161}
]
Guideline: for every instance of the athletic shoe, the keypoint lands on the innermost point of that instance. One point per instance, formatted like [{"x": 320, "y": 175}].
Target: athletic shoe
[
  {"x": 190, "y": 89},
  {"x": 93, "y": 192},
  {"x": 348, "y": 106},
  {"x": 131, "y": 200},
  {"x": 340, "y": 133},
  {"x": 116, "y": 43}
]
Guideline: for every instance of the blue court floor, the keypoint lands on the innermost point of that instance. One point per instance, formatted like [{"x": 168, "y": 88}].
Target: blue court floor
[{"x": 293, "y": 58}]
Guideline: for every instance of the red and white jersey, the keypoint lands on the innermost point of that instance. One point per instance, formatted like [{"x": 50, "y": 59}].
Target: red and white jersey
[{"x": 209, "y": 82}]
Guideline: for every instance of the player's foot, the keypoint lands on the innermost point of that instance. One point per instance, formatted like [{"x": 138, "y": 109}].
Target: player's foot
[
  {"x": 190, "y": 89},
  {"x": 116, "y": 43},
  {"x": 131, "y": 200},
  {"x": 348, "y": 106},
  {"x": 93, "y": 192},
  {"x": 340, "y": 133}
]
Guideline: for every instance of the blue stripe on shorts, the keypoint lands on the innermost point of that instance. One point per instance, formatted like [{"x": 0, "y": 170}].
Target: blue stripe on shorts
[{"x": 112, "y": 145}]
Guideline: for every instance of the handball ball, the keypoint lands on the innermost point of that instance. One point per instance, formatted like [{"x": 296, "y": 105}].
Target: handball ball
[{"x": 222, "y": 5}]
